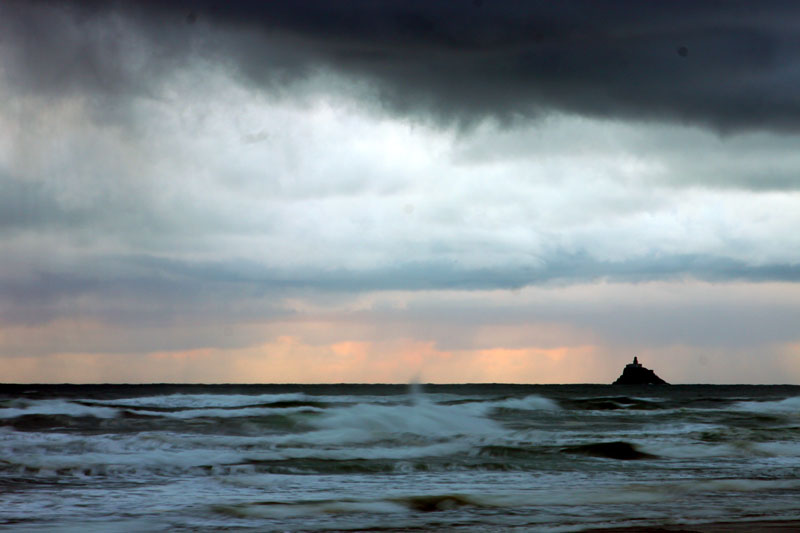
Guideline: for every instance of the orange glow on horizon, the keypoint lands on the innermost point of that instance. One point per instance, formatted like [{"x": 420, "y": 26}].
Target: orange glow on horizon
[{"x": 288, "y": 359}]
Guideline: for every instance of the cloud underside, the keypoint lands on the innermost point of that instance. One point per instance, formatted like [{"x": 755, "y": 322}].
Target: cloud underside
[
  {"x": 730, "y": 67},
  {"x": 442, "y": 180},
  {"x": 250, "y": 151},
  {"x": 147, "y": 290}
]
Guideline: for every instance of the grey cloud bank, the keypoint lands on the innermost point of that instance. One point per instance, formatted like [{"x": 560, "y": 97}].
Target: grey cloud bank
[{"x": 727, "y": 65}]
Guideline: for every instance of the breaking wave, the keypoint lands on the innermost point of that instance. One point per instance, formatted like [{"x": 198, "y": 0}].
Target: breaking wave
[{"x": 789, "y": 406}]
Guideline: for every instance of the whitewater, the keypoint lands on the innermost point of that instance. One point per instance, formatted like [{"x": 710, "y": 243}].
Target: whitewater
[{"x": 396, "y": 458}]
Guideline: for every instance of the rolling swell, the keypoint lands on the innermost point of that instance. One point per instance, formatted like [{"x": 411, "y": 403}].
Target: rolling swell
[
  {"x": 354, "y": 458},
  {"x": 611, "y": 403}
]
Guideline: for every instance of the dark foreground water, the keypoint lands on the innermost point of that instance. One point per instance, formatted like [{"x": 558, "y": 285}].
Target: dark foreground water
[{"x": 345, "y": 457}]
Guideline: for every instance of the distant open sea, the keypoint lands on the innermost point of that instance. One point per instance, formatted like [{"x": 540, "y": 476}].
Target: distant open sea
[{"x": 397, "y": 458}]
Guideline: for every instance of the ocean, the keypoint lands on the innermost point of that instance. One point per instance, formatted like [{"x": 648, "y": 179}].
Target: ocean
[{"x": 396, "y": 458}]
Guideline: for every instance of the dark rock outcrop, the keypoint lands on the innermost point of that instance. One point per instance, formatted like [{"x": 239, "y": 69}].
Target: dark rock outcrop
[
  {"x": 635, "y": 374},
  {"x": 621, "y": 450}
]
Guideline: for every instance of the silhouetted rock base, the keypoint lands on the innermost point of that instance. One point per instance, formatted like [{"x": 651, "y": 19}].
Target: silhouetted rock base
[{"x": 636, "y": 374}]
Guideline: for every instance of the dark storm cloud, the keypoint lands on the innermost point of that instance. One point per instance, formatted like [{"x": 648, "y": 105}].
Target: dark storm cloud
[{"x": 728, "y": 65}]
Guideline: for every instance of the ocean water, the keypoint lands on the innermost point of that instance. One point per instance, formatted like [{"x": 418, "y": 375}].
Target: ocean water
[{"x": 384, "y": 458}]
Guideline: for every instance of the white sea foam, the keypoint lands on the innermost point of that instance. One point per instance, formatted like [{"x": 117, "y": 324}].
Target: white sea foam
[
  {"x": 55, "y": 452},
  {"x": 627, "y": 493},
  {"x": 323, "y": 445},
  {"x": 674, "y": 428},
  {"x": 231, "y": 412},
  {"x": 191, "y": 401},
  {"x": 409, "y": 424},
  {"x": 377, "y": 452},
  {"x": 790, "y": 406},
  {"x": 127, "y": 461},
  {"x": 58, "y": 407},
  {"x": 528, "y": 403},
  {"x": 296, "y": 510},
  {"x": 678, "y": 450},
  {"x": 422, "y": 418},
  {"x": 779, "y": 449},
  {"x": 395, "y": 502},
  {"x": 48, "y": 455}
]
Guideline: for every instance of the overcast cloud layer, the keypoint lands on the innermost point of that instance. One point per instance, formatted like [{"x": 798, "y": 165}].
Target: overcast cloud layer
[
  {"x": 728, "y": 65},
  {"x": 181, "y": 176}
]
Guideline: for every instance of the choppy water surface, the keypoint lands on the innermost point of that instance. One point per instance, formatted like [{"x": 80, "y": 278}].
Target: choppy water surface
[{"x": 344, "y": 457}]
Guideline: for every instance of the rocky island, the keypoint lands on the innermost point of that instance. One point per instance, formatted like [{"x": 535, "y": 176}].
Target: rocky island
[{"x": 635, "y": 374}]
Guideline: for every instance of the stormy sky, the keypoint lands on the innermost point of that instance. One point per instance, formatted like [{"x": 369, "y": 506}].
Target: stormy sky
[{"x": 368, "y": 191}]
